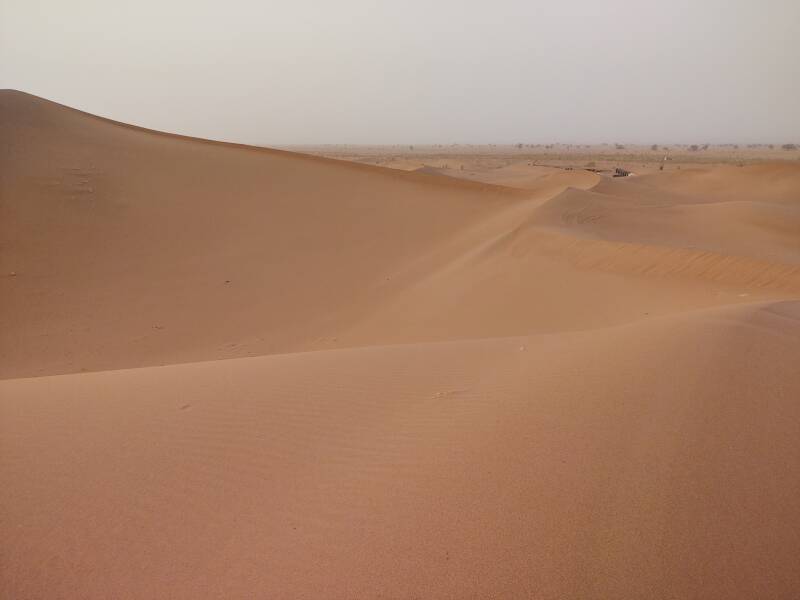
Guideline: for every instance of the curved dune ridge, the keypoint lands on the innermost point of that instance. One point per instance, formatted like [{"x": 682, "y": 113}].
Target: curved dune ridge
[{"x": 545, "y": 384}]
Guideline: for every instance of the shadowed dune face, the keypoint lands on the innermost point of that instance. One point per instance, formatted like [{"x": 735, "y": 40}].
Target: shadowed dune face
[
  {"x": 132, "y": 247},
  {"x": 527, "y": 382}
]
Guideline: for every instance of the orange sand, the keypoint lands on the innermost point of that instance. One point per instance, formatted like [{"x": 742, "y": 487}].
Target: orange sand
[{"x": 544, "y": 384}]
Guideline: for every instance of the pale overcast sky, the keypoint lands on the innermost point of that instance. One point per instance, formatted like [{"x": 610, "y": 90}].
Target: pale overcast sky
[{"x": 414, "y": 71}]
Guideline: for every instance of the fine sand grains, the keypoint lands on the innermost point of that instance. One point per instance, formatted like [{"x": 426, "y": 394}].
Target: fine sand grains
[{"x": 235, "y": 372}]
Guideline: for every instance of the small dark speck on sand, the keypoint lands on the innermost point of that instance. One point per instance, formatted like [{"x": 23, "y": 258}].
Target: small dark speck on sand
[{"x": 185, "y": 406}]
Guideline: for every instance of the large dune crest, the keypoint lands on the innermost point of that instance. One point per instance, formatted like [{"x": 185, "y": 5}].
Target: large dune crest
[
  {"x": 208, "y": 247},
  {"x": 525, "y": 382},
  {"x": 133, "y": 248}
]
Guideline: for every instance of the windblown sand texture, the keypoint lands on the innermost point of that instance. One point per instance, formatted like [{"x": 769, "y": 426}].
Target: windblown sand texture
[{"x": 236, "y": 372}]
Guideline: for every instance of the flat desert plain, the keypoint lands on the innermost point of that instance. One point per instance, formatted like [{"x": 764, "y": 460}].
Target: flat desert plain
[{"x": 237, "y": 372}]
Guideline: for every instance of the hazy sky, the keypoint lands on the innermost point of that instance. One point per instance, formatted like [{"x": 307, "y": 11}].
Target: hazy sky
[{"x": 414, "y": 71}]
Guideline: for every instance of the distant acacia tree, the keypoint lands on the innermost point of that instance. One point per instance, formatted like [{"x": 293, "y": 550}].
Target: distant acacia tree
[
  {"x": 789, "y": 146},
  {"x": 619, "y": 146},
  {"x": 694, "y": 148},
  {"x": 519, "y": 146},
  {"x": 654, "y": 147}
]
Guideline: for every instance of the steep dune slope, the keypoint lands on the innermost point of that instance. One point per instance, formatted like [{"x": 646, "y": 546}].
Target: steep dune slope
[
  {"x": 656, "y": 459},
  {"x": 130, "y": 247},
  {"x": 587, "y": 258},
  {"x": 123, "y": 247}
]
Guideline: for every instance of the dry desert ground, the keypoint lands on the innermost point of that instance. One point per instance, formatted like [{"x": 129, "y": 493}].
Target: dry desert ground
[{"x": 470, "y": 372}]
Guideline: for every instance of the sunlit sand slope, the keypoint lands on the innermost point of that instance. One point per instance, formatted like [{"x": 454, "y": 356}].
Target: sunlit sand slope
[{"x": 650, "y": 460}]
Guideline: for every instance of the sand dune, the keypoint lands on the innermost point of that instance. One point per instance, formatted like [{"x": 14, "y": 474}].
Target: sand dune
[
  {"x": 770, "y": 182},
  {"x": 533, "y": 177},
  {"x": 754, "y": 229},
  {"x": 528, "y": 382},
  {"x": 214, "y": 250},
  {"x": 653, "y": 459}
]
